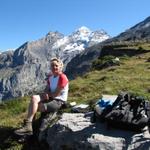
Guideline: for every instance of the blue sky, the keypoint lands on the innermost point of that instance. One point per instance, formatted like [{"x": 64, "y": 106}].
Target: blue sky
[{"x": 29, "y": 20}]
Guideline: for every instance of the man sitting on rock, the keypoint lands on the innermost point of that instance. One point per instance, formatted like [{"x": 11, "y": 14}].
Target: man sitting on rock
[{"x": 55, "y": 96}]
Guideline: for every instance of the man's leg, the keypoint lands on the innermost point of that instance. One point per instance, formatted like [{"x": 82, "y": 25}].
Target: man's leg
[
  {"x": 51, "y": 109},
  {"x": 32, "y": 109},
  {"x": 52, "y": 106}
]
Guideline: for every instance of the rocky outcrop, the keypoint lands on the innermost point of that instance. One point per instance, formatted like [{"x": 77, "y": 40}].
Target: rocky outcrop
[{"x": 75, "y": 131}]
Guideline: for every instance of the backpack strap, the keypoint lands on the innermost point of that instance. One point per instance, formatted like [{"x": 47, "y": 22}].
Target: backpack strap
[{"x": 147, "y": 107}]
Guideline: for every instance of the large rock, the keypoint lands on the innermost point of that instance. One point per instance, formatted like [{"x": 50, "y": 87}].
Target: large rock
[{"x": 75, "y": 131}]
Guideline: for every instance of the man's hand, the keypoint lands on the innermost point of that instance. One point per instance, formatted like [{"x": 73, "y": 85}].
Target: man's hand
[{"x": 45, "y": 96}]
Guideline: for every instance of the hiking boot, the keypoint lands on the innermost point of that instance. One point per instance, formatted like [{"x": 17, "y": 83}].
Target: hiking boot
[{"x": 26, "y": 129}]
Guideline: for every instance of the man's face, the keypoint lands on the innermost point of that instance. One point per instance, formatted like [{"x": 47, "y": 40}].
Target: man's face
[{"x": 55, "y": 67}]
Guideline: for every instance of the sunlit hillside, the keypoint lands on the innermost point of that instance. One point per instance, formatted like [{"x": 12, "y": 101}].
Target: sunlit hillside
[{"x": 132, "y": 74}]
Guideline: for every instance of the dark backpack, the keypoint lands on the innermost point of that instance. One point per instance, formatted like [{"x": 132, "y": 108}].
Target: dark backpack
[{"x": 127, "y": 112}]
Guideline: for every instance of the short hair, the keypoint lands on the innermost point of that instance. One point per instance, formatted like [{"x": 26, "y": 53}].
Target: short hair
[{"x": 57, "y": 60}]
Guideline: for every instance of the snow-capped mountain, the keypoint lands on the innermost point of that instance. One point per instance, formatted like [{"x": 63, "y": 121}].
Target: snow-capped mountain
[
  {"x": 22, "y": 71},
  {"x": 81, "y": 39},
  {"x": 81, "y": 63},
  {"x": 78, "y": 41}
]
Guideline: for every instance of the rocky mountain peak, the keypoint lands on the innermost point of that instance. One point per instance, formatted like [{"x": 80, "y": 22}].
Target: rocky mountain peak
[
  {"x": 98, "y": 36},
  {"x": 82, "y": 33},
  {"x": 53, "y": 36},
  {"x": 83, "y": 29}
]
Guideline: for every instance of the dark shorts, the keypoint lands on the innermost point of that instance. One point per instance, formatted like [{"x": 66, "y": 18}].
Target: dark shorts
[{"x": 53, "y": 106}]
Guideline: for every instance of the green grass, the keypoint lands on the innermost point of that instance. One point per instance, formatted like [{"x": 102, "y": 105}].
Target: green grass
[
  {"x": 132, "y": 75},
  {"x": 11, "y": 116},
  {"x": 13, "y": 109}
]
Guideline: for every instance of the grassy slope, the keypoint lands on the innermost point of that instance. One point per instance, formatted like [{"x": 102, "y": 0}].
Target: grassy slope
[{"x": 132, "y": 75}]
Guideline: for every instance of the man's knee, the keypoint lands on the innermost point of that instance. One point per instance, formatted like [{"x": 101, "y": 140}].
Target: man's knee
[
  {"x": 35, "y": 99},
  {"x": 53, "y": 106}
]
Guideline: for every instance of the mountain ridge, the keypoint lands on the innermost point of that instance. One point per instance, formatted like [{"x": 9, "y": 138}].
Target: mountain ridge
[
  {"x": 138, "y": 33},
  {"x": 23, "y": 71}
]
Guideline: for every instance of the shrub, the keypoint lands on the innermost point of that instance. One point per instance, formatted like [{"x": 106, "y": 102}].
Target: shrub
[{"x": 104, "y": 62}]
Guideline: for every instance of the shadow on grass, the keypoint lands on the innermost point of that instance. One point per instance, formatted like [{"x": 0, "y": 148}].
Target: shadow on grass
[
  {"x": 8, "y": 140},
  {"x": 6, "y": 137}
]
